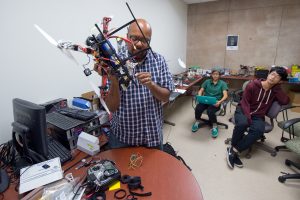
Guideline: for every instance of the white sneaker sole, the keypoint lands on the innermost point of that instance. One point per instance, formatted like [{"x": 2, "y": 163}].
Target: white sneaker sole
[
  {"x": 239, "y": 166},
  {"x": 228, "y": 162}
]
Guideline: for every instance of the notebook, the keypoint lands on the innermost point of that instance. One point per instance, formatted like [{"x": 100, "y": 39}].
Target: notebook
[{"x": 206, "y": 100}]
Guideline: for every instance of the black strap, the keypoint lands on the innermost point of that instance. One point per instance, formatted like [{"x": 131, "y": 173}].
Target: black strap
[
  {"x": 120, "y": 196},
  {"x": 135, "y": 183},
  {"x": 125, "y": 179},
  {"x": 140, "y": 194},
  {"x": 180, "y": 158}
]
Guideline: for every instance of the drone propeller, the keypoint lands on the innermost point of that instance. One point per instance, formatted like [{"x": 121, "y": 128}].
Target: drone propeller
[
  {"x": 46, "y": 35},
  {"x": 65, "y": 48},
  {"x": 181, "y": 63}
]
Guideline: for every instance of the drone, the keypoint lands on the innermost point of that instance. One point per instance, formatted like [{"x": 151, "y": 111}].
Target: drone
[{"x": 104, "y": 54}]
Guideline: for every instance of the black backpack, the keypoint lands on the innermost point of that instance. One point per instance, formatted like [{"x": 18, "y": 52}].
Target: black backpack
[{"x": 170, "y": 150}]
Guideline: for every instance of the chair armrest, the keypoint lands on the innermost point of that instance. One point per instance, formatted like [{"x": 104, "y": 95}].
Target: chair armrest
[
  {"x": 290, "y": 122},
  {"x": 235, "y": 96},
  {"x": 223, "y": 107},
  {"x": 286, "y": 107}
]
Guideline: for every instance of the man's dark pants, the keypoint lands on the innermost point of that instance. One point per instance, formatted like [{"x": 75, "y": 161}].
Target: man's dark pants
[{"x": 240, "y": 141}]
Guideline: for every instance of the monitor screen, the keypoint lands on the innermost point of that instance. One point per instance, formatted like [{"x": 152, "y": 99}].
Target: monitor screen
[{"x": 33, "y": 117}]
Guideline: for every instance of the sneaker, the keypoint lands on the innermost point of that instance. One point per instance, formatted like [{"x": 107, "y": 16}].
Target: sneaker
[
  {"x": 195, "y": 127},
  {"x": 214, "y": 132},
  {"x": 230, "y": 155},
  {"x": 238, "y": 162}
]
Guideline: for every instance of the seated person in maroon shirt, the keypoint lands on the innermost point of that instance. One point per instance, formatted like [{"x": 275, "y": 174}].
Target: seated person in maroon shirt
[{"x": 257, "y": 98}]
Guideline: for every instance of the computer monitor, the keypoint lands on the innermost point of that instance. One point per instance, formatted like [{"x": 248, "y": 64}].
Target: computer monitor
[{"x": 29, "y": 129}]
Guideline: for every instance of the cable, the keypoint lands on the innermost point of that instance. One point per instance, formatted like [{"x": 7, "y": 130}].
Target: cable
[
  {"x": 17, "y": 186},
  {"x": 87, "y": 62},
  {"x": 6, "y": 154},
  {"x": 82, "y": 186},
  {"x": 87, "y": 156}
]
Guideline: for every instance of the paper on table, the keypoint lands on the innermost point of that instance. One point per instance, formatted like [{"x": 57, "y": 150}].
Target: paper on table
[
  {"x": 40, "y": 174},
  {"x": 181, "y": 91}
]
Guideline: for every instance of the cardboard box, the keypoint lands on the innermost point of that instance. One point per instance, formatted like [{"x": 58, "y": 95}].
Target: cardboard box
[
  {"x": 296, "y": 109},
  {"x": 295, "y": 97},
  {"x": 88, "y": 95},
  {"x": 295, "y": 100},
  {"x": 93, "y": 98}
]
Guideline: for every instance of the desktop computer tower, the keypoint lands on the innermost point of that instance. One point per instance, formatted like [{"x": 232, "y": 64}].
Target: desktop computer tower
[{"x": 69, "y": 137}]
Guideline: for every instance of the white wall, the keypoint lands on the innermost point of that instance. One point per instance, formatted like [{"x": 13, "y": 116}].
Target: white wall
[{"x": 34, "y": 70}]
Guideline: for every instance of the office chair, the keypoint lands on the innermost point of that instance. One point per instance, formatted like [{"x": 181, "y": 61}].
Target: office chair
[
  {"x": 272, "y": 114},
  {"x": 235, "y": 96},
  {"x": 294, "y": 146},
  {"x": 291, "y": 126},
  {"x": 221, "y": 112}
]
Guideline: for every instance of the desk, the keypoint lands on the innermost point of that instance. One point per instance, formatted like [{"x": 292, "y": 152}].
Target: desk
[
  {"x": 175, "y": 94},
  {"x": 162, "y": 174},
  {"x": 191, "y": 83}
]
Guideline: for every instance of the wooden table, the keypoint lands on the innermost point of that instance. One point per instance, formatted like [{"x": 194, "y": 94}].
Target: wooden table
[{"x": 162, "y": 174}]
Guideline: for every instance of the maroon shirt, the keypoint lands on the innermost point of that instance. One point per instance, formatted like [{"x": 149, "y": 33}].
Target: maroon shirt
[{"x": 256, "y": 101}]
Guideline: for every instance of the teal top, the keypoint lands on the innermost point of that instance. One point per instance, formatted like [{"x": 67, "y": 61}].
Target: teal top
[{"x": 214, "y": 90}]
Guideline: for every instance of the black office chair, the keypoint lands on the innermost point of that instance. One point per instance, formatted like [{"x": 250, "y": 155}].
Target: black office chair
[
  {"x": 235, "y": 96},
  {"x": 272, "y": 114},
  {"x": 221, "y": 112},
  {"x": 290, "y": 126},
  {"x": 294, "y": 146}
]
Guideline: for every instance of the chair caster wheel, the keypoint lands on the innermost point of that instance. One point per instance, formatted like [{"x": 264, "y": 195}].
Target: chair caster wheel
[
  {"x": 276, "y": 149},
  {"x": 281, "y": 179},
  {"x": 227, "y": 141},
  {"x": 273, "y": 154},
  {"x": 283, "y": 139},
  {"x": 248, "y": 156},
  {"x": 287, "y": 162}
]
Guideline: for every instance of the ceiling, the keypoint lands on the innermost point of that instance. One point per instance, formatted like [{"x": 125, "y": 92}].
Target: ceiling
[{"x": 196, "y": 1}]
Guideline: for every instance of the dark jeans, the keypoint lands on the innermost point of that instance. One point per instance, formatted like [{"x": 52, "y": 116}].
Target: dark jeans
[
  {"x": 240, "y": 141},
  {"x": 211, "y": 112},
  {"x": 114, "y": 143}
]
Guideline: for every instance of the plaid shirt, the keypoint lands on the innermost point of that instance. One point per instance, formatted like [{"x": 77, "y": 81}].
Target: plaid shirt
[{"x": 139, "y": 119}]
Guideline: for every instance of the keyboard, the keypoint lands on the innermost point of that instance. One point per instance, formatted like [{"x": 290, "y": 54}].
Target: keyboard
[
  {"x": 62, "y": 121},
  {"x": 56, "y": 149},
  {"x": 83, "y": 115}
]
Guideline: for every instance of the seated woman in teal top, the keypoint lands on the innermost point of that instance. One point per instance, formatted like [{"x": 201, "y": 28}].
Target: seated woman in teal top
[{"x": 213, "y": 87}]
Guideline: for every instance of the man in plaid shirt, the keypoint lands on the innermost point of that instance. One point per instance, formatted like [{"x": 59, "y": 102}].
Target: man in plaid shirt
[{"x": 137, "y": 112}]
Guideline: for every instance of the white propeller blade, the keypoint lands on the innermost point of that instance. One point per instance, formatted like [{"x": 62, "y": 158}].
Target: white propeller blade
[
  {"x": 48, "y": 37},
  {"x": 57, "y": 44},
  {"x": 70, "y": 55},
  {"x": 181, "y": 63}
]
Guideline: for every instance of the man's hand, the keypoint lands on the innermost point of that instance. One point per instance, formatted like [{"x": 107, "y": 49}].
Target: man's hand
[
  {"x": 103, "y": 69},
  {"x": 218, "y": 104},
  {"x": 145, "y": 79}
]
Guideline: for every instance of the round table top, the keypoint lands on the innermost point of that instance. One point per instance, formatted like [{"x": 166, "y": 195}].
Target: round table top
[{"x": 162, "y": 174}]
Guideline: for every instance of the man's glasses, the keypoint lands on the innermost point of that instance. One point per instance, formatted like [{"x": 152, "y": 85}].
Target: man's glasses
[{"x": 136, "y": 40}]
